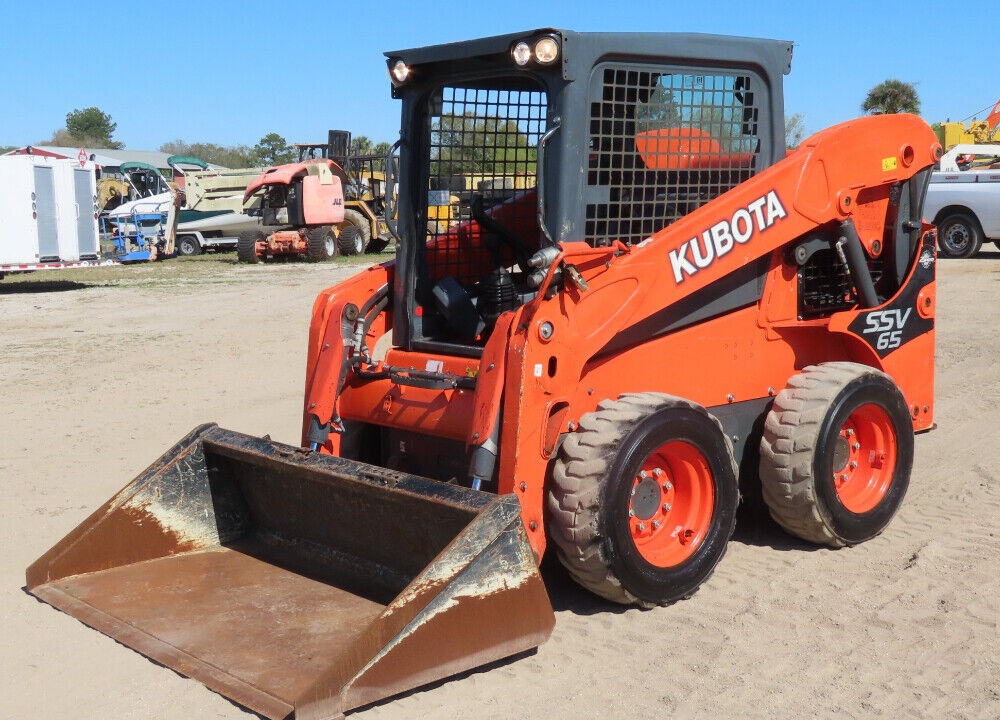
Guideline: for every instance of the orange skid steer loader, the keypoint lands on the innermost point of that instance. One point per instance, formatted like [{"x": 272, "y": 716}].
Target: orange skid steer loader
[{"x": 667, "y": 309}]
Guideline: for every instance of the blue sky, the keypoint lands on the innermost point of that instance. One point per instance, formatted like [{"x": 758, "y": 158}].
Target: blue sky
[{"x": 230, "y": 72}]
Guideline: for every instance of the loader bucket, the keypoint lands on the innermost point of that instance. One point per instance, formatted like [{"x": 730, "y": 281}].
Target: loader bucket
[{"x": 297, "y": 584}]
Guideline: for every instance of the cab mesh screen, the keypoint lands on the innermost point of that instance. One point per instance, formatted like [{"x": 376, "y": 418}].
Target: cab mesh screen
[
  {"x": 663, "y": 143},
  {"x": 483, "y": 142}
]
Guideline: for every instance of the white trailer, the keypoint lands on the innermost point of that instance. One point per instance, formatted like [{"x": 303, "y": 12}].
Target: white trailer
[{"x": 48, "y": 214}]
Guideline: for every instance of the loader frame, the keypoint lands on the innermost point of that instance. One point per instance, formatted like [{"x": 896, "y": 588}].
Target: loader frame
[
  {"x": 643, "y": 305},
  {"x": 740, "y": 283}
]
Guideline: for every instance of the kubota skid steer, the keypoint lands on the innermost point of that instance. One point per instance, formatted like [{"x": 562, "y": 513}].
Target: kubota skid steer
[{"x": 666, "y": 308}]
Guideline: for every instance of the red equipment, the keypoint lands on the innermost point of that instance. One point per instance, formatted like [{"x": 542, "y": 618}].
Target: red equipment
[{"x": 307, "y": 200}]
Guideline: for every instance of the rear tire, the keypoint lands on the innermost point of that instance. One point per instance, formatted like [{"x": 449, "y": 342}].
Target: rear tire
[
  {"x": 188, "y": 245},
  {"x": 350, "y": 241},
  {"x": 246, "y": 246},
  {"x": 321, "y": 244},
  {"x": 959, "y": 236},
  {"x": 643, "y": 499},
  {"x": 355, "y": 218},
  {"x": 836, "y": 453}
]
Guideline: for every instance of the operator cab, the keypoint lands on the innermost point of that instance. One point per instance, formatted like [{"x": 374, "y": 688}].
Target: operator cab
[{"x": 549, "y": 136}]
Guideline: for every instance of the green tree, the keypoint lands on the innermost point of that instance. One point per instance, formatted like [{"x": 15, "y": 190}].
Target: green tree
[
  {"x": 91, "y": 126},
  {"x": 361, "y": 145},
  {"x": 891, "y": 96},
  {"x": 659, "y": 111},
  {"x": 272, "y": 149},
  {"x": 236, "y": 156},
  {"x": 60, "y": 138},
  {"x": 473, "y": 144},
  {"x": 795, "y": 130}
]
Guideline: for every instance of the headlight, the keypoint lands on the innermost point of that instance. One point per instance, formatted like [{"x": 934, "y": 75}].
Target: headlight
[
  {"x": 521, "y": 54},
  {"x": 541, "y": 51},
  {"x": 399, "y": 72},
  {"x": 546, "y": 50}
]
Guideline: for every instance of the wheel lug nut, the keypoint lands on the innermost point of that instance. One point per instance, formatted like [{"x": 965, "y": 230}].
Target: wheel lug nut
[
  {"x": 641, "y": 526},
  {"x": 666, "y": 507},
  {"x": 843, "y": 477},
  {"x": 850, "y": 432},
  {"x": 631, "y": 512},
  {"x": 658, "y": 472},
  {"x": 854, "y": 464},
  {"x": 643, "y": 474},
  {"x": 856, "y": 446},
  {"x": 656, "y": 524},
  {"x": 668, "y": 486}
]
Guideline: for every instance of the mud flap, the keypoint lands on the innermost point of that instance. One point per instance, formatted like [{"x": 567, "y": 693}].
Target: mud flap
[{"x": 297, "y": 584}]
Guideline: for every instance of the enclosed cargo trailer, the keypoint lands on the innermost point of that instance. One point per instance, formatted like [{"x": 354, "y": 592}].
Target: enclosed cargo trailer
[{"x": 48, "y": 213}]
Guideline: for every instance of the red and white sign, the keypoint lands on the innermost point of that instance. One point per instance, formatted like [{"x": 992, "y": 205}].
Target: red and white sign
[{"x": 82, "y": 156}]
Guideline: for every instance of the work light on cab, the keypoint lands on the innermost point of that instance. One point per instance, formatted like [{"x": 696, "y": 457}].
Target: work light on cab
[
  {"x": 399, "y": 72},
  {"x": 521, "y": 54},
  {"x": 546, "y": 50}
]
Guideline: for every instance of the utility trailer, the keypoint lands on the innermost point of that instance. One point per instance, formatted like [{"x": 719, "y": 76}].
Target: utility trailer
[
  {"x": 214, "y": 214},
  {"x": 48, "y": 214}
]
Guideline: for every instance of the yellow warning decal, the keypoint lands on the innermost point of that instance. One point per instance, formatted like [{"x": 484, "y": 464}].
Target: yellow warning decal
[{"x": 888, "y": 164}]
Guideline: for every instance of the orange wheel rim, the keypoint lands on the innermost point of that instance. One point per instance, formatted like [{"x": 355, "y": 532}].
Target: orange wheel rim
[
  {"x": 864, "y": 458},
  {"x": 671, "y": 504}
]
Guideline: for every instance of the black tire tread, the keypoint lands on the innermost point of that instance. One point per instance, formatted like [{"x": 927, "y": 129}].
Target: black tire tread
[
  {"x": 357, "y": 219},
  {"x": 347, "y": 242},
  {"x": 193, "y": 241},
  {"x": 788, "y": 444},
  {"x": 316, "y": 243},
  {"x": 579, "y": 473},
  {"x": 246, "y": 246},
  {"x": 975, "y": 236}
]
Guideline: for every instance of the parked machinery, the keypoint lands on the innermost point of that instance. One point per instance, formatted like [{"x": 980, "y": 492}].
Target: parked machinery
[
  {"x": 305, "y": 200},
  {"x": 363, "y": 177},
  {"x": 671, "y": 308}
]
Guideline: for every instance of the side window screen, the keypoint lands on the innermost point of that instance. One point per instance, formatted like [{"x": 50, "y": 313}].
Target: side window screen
[
  {"x": 483, "y": 142},
  {"x": 664, "y": 142}
]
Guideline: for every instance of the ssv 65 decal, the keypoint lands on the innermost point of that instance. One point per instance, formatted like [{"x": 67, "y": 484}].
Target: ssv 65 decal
[{"x": 894, "y": 325}]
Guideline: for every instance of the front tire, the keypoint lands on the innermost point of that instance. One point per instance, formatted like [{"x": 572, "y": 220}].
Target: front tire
[
  {"x": 644, "y": 499},
  {"x": 959, "y": 236},
  {"x": 246, "y": 246},
  {"x": 836, "y": 453},
  {"x": 321, "y": 244}
]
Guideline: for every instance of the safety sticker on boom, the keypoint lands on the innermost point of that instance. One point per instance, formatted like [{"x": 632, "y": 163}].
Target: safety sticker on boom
[{"x": 713, "y": 243}]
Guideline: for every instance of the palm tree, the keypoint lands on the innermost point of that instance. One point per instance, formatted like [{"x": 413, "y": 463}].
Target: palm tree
[{"x": 891, "y": 96}]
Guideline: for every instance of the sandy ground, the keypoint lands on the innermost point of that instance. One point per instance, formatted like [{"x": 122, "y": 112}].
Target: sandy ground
[{"x": 97, "y": 382}]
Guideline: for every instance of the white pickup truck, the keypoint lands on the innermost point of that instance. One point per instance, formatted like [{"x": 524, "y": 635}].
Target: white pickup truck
[{"x": 963, "y": 200}]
